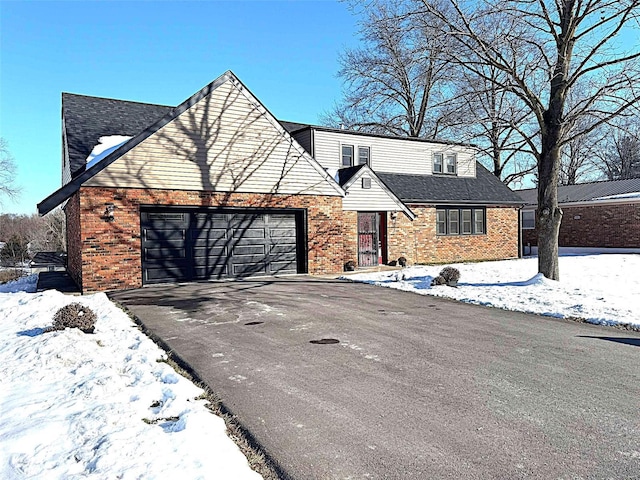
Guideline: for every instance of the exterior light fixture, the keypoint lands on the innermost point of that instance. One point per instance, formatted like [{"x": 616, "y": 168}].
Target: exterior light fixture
[{"x": 109, "y": 212}]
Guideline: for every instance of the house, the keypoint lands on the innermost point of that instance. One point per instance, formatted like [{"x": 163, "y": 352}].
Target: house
[
  {"x": 218, "y": 188},
  {"x": 48, "y": 262},
  {"x": 597, "y": 214}
]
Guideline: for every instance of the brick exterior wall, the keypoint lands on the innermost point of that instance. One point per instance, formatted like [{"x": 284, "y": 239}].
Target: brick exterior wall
[
  {"x": 418, "y": 242},
  {"x": 610, "y": 226},
  {"x": 74, "y": 249},
  {"x": 110, "y": 251}
]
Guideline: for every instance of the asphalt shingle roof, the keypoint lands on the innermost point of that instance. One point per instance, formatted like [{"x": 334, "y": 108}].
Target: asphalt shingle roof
[
  {"x": 86, "y": 119},
  {"x": 345, "y": 174},
  {"x": 484, "y": 188},
  {"x": 584, "y": 192}
]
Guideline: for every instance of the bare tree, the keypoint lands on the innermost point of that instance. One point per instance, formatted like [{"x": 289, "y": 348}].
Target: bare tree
[
  {"x": 396, "y": 83},
  {"x": 556, "y": 45},
  {"x": 619, "y": 152},
  {"x": 484, "y": 113},
  {"x": 7, "y": 172}
]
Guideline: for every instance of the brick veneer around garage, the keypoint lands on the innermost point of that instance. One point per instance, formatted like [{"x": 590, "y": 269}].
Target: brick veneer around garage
[{"x": 111, "y": 258}]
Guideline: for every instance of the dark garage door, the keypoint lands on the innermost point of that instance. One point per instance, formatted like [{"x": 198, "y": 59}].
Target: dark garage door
[{"x": 182, "y": 245}]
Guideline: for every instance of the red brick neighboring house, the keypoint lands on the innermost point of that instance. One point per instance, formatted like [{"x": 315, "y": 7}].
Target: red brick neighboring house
[
  {"x": 218, "y": 188},
  {"x": 597, "y": 214}
]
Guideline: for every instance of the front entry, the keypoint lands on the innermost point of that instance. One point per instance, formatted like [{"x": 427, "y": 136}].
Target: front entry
[{"x": 367, "y": 239}]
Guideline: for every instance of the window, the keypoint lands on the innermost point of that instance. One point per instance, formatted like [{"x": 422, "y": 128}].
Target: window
[
  {"x": 364, "y": 156},
  {"x": 445, "y": 163},
  {"x": 528, "y": 220},
  {"x": 478, "y": 222},
  {"x": 347, "y": 155},
  {"x": 441, "y": 222},
  {"x": 452, "y": 163},
  {"x": 437, "y": 162},
  {"x": 460, "y": 221},
  {"x": 454, "y": 221},
  {"x": 466, "y": 222},
  {"x": 366, "y": 182}
]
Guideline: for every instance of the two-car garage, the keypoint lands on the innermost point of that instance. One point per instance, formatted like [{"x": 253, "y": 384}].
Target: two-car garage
[{"x": 183, "y": 244}]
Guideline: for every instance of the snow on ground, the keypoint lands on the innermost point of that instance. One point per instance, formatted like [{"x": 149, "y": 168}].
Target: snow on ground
[
  {"x": 98, "y": 406},
  {"x": 602, "y": 289}
]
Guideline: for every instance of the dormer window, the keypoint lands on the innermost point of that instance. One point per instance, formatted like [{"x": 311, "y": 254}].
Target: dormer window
[
  {"x": 438, "y": 160},
  {"x": 347, "y": 155},
  {"x": 364, "y": 156},
  {"x": 451, "y": 163},
  {"x": 445, "y": 163}
]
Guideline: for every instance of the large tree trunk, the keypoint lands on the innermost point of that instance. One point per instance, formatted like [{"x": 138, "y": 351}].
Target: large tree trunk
[{"x": 549, "y": 214}]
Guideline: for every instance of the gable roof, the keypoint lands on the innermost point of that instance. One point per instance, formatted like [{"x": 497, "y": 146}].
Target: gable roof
[
  {"x": 484, "y": 188},
  {"x": 74, "y": 185},
  {"x": 349, "y": 175},
  {"x": 86, "y": 119},
  {"x": 586, "y": 192}
]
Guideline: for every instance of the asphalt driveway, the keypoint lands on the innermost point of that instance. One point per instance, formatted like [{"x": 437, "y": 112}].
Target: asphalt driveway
[{"x": 343, "y": 380}]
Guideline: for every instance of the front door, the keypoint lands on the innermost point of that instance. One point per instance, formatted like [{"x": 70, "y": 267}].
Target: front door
[{"x": 367, "y": 239}]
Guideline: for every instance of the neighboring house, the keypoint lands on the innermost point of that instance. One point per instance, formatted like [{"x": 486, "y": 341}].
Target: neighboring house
[
  {"x": 48, "y": 262},
  {"x": 598, "y": 214},
  {"x": 218, "y": 188}
]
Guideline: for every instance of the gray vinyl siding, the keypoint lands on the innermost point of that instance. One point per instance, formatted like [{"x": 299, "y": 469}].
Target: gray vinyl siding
[
  {"x": 391, "y": 155},
  {"x": 226, "y": 142},
  {"x": 304, "y": 139},
  {"x": 371, "y": 199}
]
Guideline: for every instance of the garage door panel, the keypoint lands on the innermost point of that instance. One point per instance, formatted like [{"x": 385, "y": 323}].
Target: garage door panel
[
  {"x": 164, "y": 273},
  {"x": 249, "y": 233},
  {"x": 210, "y": 271},
  {"x": 169, "y": 235},
  {"x": 164, "y": 253},
  {"x": 164, "y": 220},
  {"x": 282, "y": 249},
  {"x": 244, "y": 269},
  {"x": 283, "y": 233},
  {"x": 258, "y": 249},
  {"x": 202, "y": 245},
  {"x": 215, "y": 252},
  {"x": 283, "y": 267}
]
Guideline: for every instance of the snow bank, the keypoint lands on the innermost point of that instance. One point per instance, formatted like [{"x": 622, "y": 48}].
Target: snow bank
[
  {"x": 99, "y": 406},
  {"x": 602, "y": 289}
]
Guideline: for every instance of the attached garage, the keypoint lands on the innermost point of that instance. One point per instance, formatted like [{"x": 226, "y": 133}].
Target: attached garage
[{"x": 181, "y": 244}]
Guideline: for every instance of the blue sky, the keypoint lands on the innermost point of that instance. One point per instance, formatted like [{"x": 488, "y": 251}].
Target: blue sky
[{"x": 286, "y": 52}]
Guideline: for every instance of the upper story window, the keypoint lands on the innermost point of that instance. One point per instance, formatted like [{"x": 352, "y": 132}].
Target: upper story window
[
  {"x": 364, "y": 156},
  {"x": 347, "y": 155},
  {"x": 445, "y": 163}
]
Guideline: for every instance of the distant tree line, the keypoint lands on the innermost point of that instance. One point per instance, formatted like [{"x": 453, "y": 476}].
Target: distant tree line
[{"x": 22, "y": 236}]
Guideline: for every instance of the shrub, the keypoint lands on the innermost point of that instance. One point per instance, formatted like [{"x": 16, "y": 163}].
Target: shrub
[
  {"x": 439, "y": 280},
  {"x": 450, "y": 274},
  {"x": 74, "y": 315},
  {"x": 350, "y": 266},
  {"x": 9, "y": 275}
]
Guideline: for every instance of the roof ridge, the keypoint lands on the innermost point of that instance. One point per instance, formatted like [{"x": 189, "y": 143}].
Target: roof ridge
[{"x": 117, "y": 99}]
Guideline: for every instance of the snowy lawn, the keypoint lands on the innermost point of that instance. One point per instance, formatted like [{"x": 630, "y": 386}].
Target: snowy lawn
[
  {"x": 99, "y": 405},
  {"x": 599, "y": 288}
]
